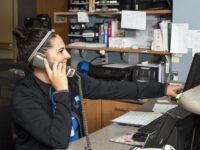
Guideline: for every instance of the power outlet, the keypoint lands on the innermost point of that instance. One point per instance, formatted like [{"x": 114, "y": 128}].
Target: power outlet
[{"x": 105, "y": 59}]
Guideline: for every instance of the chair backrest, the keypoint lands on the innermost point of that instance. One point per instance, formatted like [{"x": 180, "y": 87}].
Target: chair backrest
[{"x": 11, "y": 74}]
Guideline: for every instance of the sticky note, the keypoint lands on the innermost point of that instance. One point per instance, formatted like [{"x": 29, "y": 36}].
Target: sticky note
[{"x": 175, "y": 59}]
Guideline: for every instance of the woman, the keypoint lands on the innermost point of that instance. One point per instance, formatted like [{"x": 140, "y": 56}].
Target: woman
[{"x": 46, "y": 105}]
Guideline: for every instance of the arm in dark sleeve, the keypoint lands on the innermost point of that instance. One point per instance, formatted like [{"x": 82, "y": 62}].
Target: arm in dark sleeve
[
  {"x": 53, "y": 132},
  {"x": 98, "y": 89}
]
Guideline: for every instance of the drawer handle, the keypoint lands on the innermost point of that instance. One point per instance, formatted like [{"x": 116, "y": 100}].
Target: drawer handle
[
  {"x": 121, "y": 109},
  {"x": 6, "y": 46}
]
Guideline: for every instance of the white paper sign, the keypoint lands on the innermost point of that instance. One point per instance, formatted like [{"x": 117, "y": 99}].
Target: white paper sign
[
  {"x": 191, "y": 38},
  {"x": 133, "y": 20},
  {"x": 179, "y": 38},
  {"x": 83, "y": 17}
]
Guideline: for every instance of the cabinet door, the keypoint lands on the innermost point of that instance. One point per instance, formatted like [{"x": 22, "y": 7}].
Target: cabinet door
[
  {"x": 6, "y": 27},
  {"x": 112, "y": 109},
  {"x": 93, "y": 114}
]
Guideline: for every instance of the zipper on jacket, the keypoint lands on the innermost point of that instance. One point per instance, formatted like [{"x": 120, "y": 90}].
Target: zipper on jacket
[{"x": 73, "y": 113}]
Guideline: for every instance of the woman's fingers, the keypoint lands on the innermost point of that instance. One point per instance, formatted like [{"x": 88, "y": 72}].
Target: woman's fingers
[
  {"x": 64, "y": 68},
  {"x": 60, "y": 66},
  {"x": 47, "y": 67},
  {"x": 55, "y": 67}
]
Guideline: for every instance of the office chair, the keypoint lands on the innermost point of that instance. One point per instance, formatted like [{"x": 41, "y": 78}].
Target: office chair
[{"x": 11, "y": 74}]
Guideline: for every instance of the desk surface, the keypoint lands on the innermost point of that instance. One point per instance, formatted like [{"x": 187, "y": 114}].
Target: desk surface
[{"x": 100, "y": 139}]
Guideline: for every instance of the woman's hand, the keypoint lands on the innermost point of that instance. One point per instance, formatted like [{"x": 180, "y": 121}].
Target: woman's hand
[
  {"x": 57, "y": 75},
  {"x": 174, "y": 90}
]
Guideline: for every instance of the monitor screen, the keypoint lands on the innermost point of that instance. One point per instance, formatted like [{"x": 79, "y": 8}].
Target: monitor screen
[
  {"x": 193, "y": 78},
  {"x": 177, "y": 127}
]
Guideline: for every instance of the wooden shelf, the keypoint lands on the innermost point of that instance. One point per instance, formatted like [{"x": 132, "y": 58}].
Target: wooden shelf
[
  {"x": 113, "y": 12},
  {"x": 119, "y": 50}
]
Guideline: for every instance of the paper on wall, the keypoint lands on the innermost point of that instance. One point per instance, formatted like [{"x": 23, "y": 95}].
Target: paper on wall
[
  {"x": 196, "y": 41},
  {"x": 179, "y": 38},
  {"x": 191, "y": 38},
  {"x": 83, "y": 17},
  {"x": 133, "y": 20}
]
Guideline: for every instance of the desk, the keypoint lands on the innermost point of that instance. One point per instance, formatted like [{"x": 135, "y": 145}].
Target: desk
[{"x": 100, "y": 139}]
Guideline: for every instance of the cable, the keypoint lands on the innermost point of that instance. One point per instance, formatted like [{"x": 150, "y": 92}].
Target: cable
[
  {"x": 94, "y": 58},
  {"x": 193, "y": 137},
  {"x": 101, "y": 56},
  {"x": 170, "y": 4},
  {"x": 88, "y": 147}
]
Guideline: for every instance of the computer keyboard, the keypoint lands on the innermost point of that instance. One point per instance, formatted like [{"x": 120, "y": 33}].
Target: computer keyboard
[
  {"x": 153, "y": 126},
  {"x": 178, "y": 112}
]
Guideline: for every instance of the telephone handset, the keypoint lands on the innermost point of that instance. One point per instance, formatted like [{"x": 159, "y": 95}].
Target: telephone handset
[{"x": 38, "y": 61}]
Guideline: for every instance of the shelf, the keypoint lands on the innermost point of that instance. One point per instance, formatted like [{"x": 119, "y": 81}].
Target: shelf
[
  {"x": 113, "y": 12},
  {"x": 75, "y": 35},
  {"x": 119, "y": 50},
  {"x": 86, "y": 3},
  {"x": 107, "y": 4}
]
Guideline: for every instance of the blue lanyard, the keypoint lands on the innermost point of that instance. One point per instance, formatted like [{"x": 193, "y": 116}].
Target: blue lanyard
[
  {"x": 52, "y": 100},
  {"x": 74, "y": 120}
]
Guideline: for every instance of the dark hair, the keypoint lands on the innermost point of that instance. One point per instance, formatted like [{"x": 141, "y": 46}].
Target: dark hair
[{"x": 28, "y": 40}]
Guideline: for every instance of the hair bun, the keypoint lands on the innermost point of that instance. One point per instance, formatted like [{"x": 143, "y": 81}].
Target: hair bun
[{"x": 19, "y": 34}]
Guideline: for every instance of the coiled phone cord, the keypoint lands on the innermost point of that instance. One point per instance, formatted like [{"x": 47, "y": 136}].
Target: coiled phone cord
[{"x": 88, "y": 147}]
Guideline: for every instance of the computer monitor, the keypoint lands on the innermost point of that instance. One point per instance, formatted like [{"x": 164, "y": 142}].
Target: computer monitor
[
  {"x": 193, "y": 78},
  {"x": 177, "y": 129}
]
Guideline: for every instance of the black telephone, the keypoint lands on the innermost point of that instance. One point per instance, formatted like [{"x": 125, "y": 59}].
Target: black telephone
[{"x": 38, "y": 61}]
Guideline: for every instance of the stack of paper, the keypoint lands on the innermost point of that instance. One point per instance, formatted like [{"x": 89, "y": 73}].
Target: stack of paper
[
  {"x": 137, "y": 118},
  {"x": 162, "y": 108},
  {"x": 165, "y": 27}
]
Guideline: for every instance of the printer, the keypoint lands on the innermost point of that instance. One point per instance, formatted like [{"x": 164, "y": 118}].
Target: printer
[{"x": 112, "y": 72}]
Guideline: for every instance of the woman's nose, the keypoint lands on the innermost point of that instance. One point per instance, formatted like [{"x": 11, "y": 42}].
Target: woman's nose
[{"x": 67, "y": 55}]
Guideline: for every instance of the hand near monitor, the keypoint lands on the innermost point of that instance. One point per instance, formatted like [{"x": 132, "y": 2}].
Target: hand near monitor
[{"x": 174, "y": 90}]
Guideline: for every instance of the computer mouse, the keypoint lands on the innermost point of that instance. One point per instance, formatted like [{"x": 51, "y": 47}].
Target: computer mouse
[
  {"x": 139, "y": 136},
  {"x": 135, "y": 46}
]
